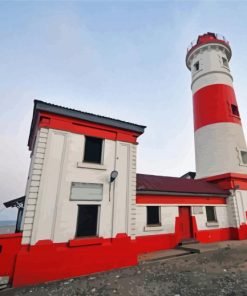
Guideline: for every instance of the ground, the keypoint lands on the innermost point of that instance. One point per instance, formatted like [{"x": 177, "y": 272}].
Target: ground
[{"x": 219, "y": 272}]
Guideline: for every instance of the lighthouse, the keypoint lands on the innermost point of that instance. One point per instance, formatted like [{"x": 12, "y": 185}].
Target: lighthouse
[{"x": 220, "y": 145}]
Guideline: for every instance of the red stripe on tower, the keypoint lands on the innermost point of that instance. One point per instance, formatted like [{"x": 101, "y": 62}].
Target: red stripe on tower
[{"x": 215, "y": 103}]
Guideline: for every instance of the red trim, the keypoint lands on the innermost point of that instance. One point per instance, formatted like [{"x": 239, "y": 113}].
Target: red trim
[
  {"x": 188, "y": 200},
  {"x": 10, "y": 235},
  {"x": 58, "y": 122},
  {"x": 212, "y": 104},
  {"x": 226, "y": 175},
  {"x": 206, "y": 39},
  {"x": 86, "y": 241},
  {"x": 229, "y": 181}
]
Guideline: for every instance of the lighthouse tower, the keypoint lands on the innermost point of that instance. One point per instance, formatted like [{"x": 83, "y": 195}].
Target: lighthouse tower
[{"x": 219, "y": 140}]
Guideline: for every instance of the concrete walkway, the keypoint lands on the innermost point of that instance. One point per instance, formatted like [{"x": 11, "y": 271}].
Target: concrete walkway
[{"x": 186, "y": 250}]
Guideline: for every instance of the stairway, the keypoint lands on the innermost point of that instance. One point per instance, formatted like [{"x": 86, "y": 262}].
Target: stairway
[{"x": 185, "y": 245}]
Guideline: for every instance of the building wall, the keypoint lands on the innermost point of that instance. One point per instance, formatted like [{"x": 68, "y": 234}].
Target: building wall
[
  {"x": 55, "y": 214},
  {"x": 212, "y": 69},
  {"x": 169, "y": 213},
  {"x": 211, "y": 140},
  {"x": 221, "y": 215},
  {"x": 33, "y": 184},
  {"x": 237, "y": 207}
]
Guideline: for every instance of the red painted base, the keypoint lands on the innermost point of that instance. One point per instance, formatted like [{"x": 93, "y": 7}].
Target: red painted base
[
  {"x": 48, "y": 261},
  {"x": 10, "y": 245},
  {"x": 152, "y": 243}
]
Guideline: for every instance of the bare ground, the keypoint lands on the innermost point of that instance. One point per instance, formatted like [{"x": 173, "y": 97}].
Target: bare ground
[{"x": 216, "y": 273}]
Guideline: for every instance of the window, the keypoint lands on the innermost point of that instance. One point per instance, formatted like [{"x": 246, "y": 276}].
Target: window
[
  {"x": 196, "y": 66},
  {"x": 243, "y": 156},
  {"x": 235, "y": 110},
  {"x": 87, "y": 220},
  {"x": 93, "y": 150},
  {"x": 153, "y": 215},
  {"x": 225, "y": 62},
  {"x": 211, "y": 216}
]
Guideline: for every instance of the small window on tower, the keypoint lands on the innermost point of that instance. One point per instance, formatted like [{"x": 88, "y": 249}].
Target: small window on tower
[
  {"x": 235, "y": 110},
  {"x": 225, "y": 62},
  {"x": 244, "y": 157},
  {"x": 196, "y": 66}
]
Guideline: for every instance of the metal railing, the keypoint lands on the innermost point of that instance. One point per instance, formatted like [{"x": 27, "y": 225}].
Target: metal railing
[{"x": 218, "y": 37}]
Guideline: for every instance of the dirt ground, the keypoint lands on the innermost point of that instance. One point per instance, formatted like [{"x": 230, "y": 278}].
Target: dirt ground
[{"x": 216, "y": 273}]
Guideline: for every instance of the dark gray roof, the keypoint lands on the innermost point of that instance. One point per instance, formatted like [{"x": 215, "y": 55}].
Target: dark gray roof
[
  {"x": 17, "y": 202},
  {"x": 161, "y": 184},
  {"x": 51, "y": 108},
  {"x": 189, "y": 175}
]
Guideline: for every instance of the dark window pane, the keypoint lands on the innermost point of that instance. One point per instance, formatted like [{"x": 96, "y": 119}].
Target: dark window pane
[
  {"x": 19, "y": 219},
  {"x": 93, "y": 150},
  {"x": 225, "y": 62},
  {"x": 196, "y": 66},
  {"x": 87, "y": 220},
  {"x": 244, "y": 157},
  {"x": 235, "y": 110},
  {"x": 210, "y": 214},
  {"x": 153, "y": 216}
]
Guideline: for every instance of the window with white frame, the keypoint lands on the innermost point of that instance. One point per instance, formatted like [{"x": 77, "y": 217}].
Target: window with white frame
[
  {"x": 93, "y": 150},
  {"x": 211, "y": 214},
  {"x": 87, "y": 220},
  {"x": 153, "y": 216}
]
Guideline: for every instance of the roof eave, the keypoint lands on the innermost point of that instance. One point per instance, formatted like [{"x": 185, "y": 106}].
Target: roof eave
[
  {"x": 12, "y": 203},
  {"x": 40, "y": 106},
  {"x": 175, "y": 193}
]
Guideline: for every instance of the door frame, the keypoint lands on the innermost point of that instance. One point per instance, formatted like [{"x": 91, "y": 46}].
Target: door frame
[{"x": 190, "y": 223}]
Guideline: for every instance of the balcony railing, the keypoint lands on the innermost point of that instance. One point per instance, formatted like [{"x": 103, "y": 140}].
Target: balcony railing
[{"x": 218, "y": 37}]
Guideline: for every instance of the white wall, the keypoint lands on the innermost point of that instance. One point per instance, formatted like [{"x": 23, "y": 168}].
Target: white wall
[
  {"x": 217, "y": 149},
  {"x": 55, "y": 215},
  {"x": 168, "y": 218},
  {"x": 211, "y": 68},
  {"x": 168, "y": 215},
  {"x": 33, "y": 184},
  {"x": 237, "y": 207},
  {"x": 221, "y": 215}
]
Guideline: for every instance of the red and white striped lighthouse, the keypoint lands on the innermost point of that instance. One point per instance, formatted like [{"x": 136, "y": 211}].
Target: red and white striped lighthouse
[{"x": 219, "y": 140}]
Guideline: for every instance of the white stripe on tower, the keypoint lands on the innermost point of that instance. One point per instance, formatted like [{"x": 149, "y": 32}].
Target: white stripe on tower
[{"x": 219, "y": 140}]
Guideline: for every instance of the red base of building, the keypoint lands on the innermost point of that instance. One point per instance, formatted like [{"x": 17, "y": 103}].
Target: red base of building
[{"x": 48, "y": 261}]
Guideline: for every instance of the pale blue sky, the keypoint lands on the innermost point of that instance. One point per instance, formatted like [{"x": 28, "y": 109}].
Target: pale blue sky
[{"x": 123, "y": 59}]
